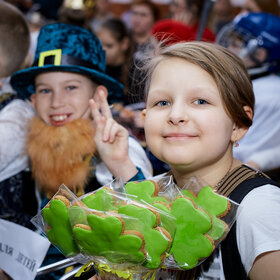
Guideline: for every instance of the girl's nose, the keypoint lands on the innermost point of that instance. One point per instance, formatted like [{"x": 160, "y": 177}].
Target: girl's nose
[{"x": 178, "y": 114}]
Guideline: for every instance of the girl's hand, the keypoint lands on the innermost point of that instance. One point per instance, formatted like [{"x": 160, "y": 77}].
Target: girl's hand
[{"x": 110, "y": 137}]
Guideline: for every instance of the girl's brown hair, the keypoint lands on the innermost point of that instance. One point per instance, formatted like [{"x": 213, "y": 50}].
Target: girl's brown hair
[{"x": 227, "y": 70}]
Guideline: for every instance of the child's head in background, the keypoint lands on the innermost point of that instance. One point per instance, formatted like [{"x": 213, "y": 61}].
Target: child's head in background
[
  {"x": 200, "y": 97},
  {"x": 68, "y": 67},
  {"x": 115, "y": 40},
  {"x": 14, "y": 39}
]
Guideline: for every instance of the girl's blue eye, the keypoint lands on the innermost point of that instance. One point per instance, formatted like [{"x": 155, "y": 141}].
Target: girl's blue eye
[
  {"x": 163, "y": 103},
  {"x": 200, "y": 101}
]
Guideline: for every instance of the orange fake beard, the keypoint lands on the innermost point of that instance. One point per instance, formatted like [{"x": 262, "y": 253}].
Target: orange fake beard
[{"x": 61, "y": 155}]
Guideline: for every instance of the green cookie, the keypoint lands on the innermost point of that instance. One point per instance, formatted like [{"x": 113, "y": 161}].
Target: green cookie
[
  {"x": 60, "y": 232},
  {"x": 105, "y": 237},
  {"x": 190, "y": 244},
  {"x": 216, "y": 205},
  {"x": 145, "y": 190},
  {"x": 101, "y": 200},
  {"x": 156, "y": 242}
]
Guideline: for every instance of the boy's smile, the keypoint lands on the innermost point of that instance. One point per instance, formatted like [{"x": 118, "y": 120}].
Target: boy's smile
[
  {"x": 62, "y": 97},
  {"x": 186, "y": 123}
]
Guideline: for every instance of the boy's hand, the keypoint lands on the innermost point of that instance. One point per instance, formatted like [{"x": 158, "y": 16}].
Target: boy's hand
[{"x": 111, "y": 138}]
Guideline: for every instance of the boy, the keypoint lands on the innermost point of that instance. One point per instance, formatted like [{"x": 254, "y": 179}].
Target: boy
[{"x": 70, "y": 141}]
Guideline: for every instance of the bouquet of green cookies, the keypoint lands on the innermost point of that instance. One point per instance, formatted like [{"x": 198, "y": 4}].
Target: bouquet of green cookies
[{"x": 130, "y": 231}]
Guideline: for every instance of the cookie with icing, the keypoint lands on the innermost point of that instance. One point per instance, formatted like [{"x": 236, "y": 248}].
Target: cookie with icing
[
  {"x": 190, "y": 243},
  {"x": 167, "y": 221},
  {"x": 145, "y": 190},
  {"x": 101, "y": 200},
  {"x": 106, "y": 236},
  {"x": 157, "y": 239},
  {"x": 216, "y": 205},
  {"x": 59, "y": 230}
]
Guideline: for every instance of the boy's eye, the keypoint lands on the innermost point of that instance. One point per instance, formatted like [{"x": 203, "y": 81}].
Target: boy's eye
[
  {"x": 71, "y": 87},
  {"x": 163, "y": 103},
  {"x": 44, "y": 90},
  {"x": 200, "y": 101}
]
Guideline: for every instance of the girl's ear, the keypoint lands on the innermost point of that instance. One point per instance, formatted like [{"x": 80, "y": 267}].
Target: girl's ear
[
  {"x": 239, "y": 132},
  {"x": 143, "y": 115}
]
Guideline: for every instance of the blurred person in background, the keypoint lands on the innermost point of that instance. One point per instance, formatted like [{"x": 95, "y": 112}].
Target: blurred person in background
[
  {"x": 267, "y": 6},
  {"x": 223, "y": 12},
  {"x": 117, "y": 43},
  {"x": 255, "y": 38},
  {"x": 189, "y": 12},
  {"x": 101, "y": 12},
  {"x": 14, "y": 115}
]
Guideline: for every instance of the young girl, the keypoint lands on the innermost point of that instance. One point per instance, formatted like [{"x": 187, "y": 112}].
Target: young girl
[
  {"x": 117, "y": 43},
  {"x": 201, "y": 99}
]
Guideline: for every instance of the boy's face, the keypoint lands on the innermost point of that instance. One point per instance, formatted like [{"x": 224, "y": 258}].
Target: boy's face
[
  {"x": 62, "y": 97},
  {"x": 192, "y": 128}
]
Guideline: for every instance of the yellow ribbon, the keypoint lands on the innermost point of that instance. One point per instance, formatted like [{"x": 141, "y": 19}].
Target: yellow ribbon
[
  {"x": 104, "y": 267},
  {"x": 84, "y": 268},
  {"x": 124, "y": 274},
  {"x": 152, "y": 274}
]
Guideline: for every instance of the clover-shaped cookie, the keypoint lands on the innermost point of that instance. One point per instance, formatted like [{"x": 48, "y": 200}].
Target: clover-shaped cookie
[
  {"x": 59, "y": 232},
  {"x": 216, "y": 205},
  {"x": 190, "y": 243},
  {"x": 101, "y": 200},
  {"x": 146, "y": 190},
  {"x": 167, "y": 221},
  {"x": 105, "y": 236},
  {"x": 157, "y": 239}
]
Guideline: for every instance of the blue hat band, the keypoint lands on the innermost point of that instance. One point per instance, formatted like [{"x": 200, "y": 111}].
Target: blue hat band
[{"x": 64, "y": 60}]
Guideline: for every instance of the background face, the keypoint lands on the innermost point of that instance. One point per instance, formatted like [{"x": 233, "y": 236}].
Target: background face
[
  {"x": 114, "y": 49},
  {"x": 142, "y": 19}
]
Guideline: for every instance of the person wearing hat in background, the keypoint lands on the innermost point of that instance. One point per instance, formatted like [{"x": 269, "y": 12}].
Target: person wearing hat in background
[
  {"x": 255, "y": 38},
  {"x": 73, "y": 138}
]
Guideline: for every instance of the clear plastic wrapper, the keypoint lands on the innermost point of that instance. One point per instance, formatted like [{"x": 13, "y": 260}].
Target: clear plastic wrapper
[
  {"x": 112, "y": 224},
  {"x": 54, "y": 222},
  {"x": 132, "y": 230},
  {"x": 204, "y": 219}
]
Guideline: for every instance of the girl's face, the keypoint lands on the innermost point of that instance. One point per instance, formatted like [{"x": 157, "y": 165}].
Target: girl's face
[
  {"x": 62, "y": 97},
  {"x": 186, "y": 124},
  {"x": 115, "y": 51}
]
